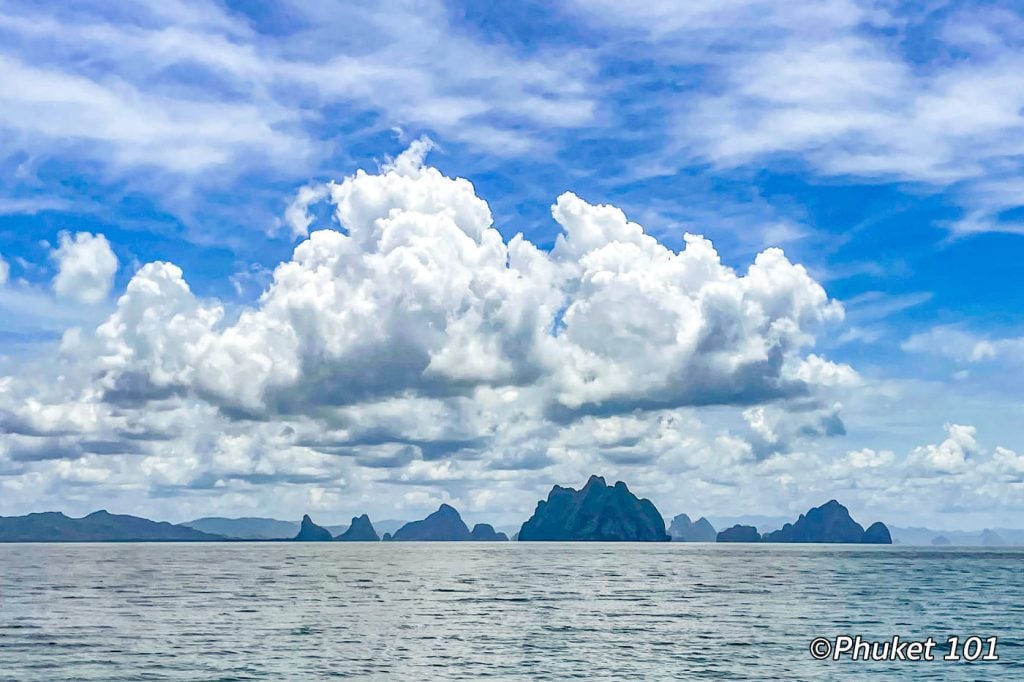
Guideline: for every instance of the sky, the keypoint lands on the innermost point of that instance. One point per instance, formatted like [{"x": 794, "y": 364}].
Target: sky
[{"x": 747, "y": 256}]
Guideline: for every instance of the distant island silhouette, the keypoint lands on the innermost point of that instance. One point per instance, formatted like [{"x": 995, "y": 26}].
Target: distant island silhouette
[
  {"x": 444, "y": 525},
  {"x": 829, "y": 523},
  {"x": 310, "y": 532},
  {"x": 597, "y": 512},
  {"x": 739, "y": 533},
  {"x": 360, "y": 530},
  {"x": 684, "y": 530}
]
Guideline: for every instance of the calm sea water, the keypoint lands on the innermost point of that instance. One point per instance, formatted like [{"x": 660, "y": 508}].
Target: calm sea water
[{"x": 429, "y": 611}]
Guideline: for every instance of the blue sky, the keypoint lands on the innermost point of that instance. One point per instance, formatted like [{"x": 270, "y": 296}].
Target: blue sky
[{"x": 877, "y": 143}]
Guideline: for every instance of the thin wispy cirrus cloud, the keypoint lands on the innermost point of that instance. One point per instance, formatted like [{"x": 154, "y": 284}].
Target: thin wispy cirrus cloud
[
  {"x": 847, "y": 88},
  {"x": 189, "y": 87},
  {"x": 368, "y": 257}
]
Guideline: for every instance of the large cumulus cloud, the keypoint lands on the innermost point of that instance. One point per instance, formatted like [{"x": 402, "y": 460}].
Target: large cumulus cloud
[{"x": 414, "y": 292}]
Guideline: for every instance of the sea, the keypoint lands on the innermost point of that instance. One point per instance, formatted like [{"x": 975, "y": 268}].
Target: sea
[{"x": 497, "y": 611}]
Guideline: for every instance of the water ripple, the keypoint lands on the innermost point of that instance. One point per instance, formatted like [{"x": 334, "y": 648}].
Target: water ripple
[{"x": 502, "y": 611}]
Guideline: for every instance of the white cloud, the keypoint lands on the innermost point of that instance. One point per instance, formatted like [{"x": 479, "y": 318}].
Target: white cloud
[
  {"x": 963, "y": 346},
  {"x": 86, "y": 266},
  {"x": 774, "y": 430},
  {"x": 419, "y": 293},
  {"x": 759, "y": 423},
  {"x": 866, "y": 458},
  {"x": 261, "y": 94},
  {"x": 1008, "y": 462},
  {"x": 951, "y": 454},
  {"x": 297, "y": 216},
  {"x": 832, "y": 84},
  {"x": 850, "y": 106},
  {"x": 728, "y": 21},
  {"x": 31, "y": 205},
  {"x": 5, "y": 271},
  {"x": 30, "y": 310},
  {"x": 140, "y": 128}
]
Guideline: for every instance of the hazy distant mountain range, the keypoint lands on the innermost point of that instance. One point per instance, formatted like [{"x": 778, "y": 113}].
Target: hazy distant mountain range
[
  {"x": 764, "y": 524},
  {"x": 257, "y": 528},
  {"x": 596, "y": 512},
  {"x": 250, "y": 528},
  {"x": 989, "y": 537},
  {"x": 100, "y": 526}
]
